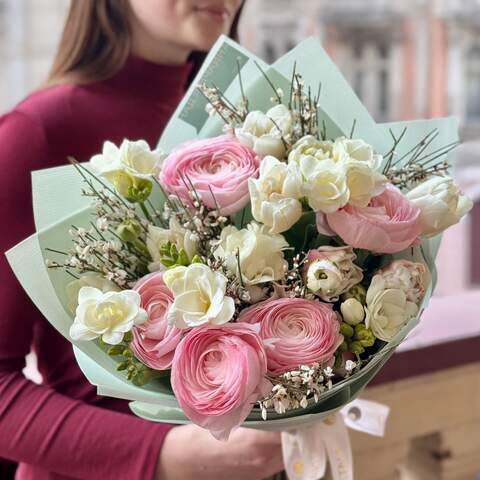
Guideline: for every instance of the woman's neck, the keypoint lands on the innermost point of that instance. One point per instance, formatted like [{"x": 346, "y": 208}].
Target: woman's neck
[{"x": 151, "y": 49}]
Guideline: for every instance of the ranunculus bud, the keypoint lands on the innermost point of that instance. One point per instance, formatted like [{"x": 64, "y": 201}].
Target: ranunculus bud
[
  {"x": 352, "y": 311},
  {"x": 358, "y": 292}
]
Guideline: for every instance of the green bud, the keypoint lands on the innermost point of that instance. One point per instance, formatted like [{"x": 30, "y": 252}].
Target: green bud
[
  {"x": 168, "y": 262},
  {"x": 132, "y": 188},
  {"x": 358, "y": 292},
  {"x": 127, "y": 337},
  {"x": 173, "y": 251},
  {"x": 364, "y": 336},
  {"x": 127, "y": 353},
  {"x": 140, "y": 191},
  {"x": 122, "y": 366},
  {"x": 356, "y": 347},
  {"x": 115, "y": 350},
  {"x": 183, "y": 258},
  {"x": 129, "y": 231},
  {"x": 142, "y": 377},
  {"x": 343, "y": 347},
  {"x": 346, "y": 330},
  {"x": 196, "y": 259}
]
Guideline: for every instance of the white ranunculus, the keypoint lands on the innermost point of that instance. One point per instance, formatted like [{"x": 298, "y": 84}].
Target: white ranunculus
[
  {"x": 325, "y": 184},
  {"x": 176, "y": 234},
  {"x": 441, "y": 204},
  {"x": 199, "y": 296},
  {"x": 89, "y": 279},
  {"x": 387, "y": 310},
  {"x": 331, "y": 271},
  {"x": 352, "y": 311},
  {"x": 109, "y": 315},
  {"x": 263, "y": 132},
  {"x": 260, "y": 252},
  {"x": 133, "y": 158},
  {"x": 275, "y": 195},
  {"x": 310, "y": 146},
  {"x": 363, "y": 183}
]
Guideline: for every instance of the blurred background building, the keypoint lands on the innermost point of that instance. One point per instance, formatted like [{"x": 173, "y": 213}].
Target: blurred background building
[{"x": 406, "y": 59}]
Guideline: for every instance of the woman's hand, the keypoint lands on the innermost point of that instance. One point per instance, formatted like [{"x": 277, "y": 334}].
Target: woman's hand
[{"x": 190, "y": 452}]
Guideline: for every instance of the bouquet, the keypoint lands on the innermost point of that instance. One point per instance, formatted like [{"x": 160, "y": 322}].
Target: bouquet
[{"x": 262, "y": 264}]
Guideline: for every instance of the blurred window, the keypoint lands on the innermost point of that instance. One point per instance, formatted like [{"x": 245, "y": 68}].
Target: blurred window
[{"x": 473, "y": 83}]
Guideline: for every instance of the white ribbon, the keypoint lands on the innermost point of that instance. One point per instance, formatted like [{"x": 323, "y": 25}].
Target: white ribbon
[{"x": 307, "y": 451}]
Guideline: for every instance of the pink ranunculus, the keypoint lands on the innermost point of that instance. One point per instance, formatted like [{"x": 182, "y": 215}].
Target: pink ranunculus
[
  {"x": 389, "y": 223},
  {"x": 218, "y": 373},
  {"x": 154, "y": 342},
  {"x": 299, "y": 331},
  {"x": 220, "y": 165}
]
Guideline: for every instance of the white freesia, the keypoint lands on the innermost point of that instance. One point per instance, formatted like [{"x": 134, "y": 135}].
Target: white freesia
[
  {"x": 352, "y": 311},
  {"x": 263, "y": 132},
  {"x": 357, "y": 150},
  {"x": 362, "y": 164},
  {"x": 325, "y": 184},
  {"x": 89, "y": 279},
  {"x": 441, "y": 203},
  {"x": 133, "y": 158},
  {"x": 199, "y": 296},
  {"x": 387, "y": 310},
  {"x": 109, "y": 315},
  {"x": 275, "y": 195},
  {"x": 176, "y": 234},
  {"x": 310, "y": 146},
  {"x": 259, "y": 253},
  {"x": 363, "y": 182}
]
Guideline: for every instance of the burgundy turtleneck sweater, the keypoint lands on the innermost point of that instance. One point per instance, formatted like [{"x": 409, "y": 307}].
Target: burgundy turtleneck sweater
[{"x": 62, "y": 429}]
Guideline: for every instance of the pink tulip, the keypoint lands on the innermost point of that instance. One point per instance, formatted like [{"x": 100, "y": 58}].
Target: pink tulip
[
  {"x": 218, "y": 373},
  {"x": 389, "y": 224},
  {"x": 220, "y": 166},
  {"x": 154, "y": 342},
  {"x": 298, "y": 332}
]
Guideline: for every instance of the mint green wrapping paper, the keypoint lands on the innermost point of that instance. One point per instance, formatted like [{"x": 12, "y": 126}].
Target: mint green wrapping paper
[{"x": 339, "y": 107}]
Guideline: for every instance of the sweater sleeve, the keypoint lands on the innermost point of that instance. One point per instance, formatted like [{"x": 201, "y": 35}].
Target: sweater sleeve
[{"x": 38, "y": 425}]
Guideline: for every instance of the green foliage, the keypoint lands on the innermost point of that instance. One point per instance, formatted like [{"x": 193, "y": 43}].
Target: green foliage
[{"x": 138, "y": 373}]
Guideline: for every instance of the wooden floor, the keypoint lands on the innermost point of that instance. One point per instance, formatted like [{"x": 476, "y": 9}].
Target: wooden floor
[{"x": 433, "y": 432}]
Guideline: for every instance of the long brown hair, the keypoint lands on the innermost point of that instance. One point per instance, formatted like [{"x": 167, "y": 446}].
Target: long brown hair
[{"x": 95, "y": 42}]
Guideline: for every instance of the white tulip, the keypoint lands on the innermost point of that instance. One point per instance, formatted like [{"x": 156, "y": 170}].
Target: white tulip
[
  {"x": 325, "y": 184},
  {"x": 199, "y": 296},
  {"x": 263, "y": 132},
  {"x": 441, "y": 204},
  {"x": 352, "y": 311},
  {"x": 109, "y": 315},
  {"x": 387, "y": 310},
  {"x": 176, "y": 234},
  {"x": 275, "y": 195},
  {"x": 260, "y": 253}
]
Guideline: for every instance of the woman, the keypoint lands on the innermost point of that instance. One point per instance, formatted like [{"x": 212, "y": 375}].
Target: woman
[{"x": 120, "y": 71}]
